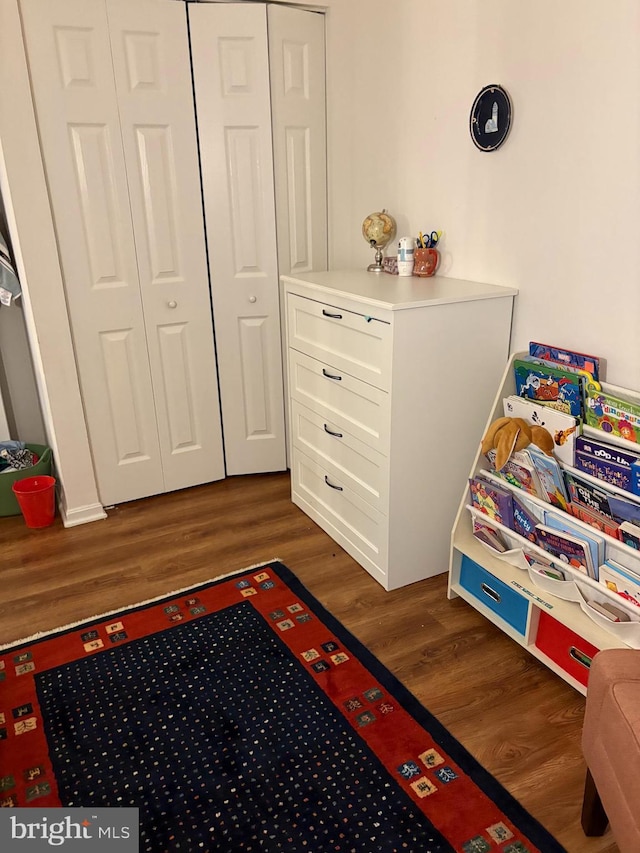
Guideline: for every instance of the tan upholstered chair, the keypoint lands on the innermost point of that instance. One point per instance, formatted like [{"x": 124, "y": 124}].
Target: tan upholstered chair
[{"x": 611, "y": 747}]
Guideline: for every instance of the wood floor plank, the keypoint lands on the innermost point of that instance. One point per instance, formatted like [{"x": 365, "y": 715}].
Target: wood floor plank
[{"x": 521, "y": 721}]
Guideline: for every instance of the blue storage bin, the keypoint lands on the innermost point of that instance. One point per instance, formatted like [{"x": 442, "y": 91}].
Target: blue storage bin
[{"x": 504, "y": 601}]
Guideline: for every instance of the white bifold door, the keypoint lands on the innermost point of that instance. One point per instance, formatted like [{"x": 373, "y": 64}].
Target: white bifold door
[
  {"x": 112, "y": 89},
  {"x": 260, "y": 99}
]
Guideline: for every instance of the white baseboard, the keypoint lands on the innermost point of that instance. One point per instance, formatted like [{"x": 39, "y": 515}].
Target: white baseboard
[{"x": 71, "y": 517}]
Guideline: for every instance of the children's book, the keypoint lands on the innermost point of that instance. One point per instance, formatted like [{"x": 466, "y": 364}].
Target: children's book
[
  {"x": 489, "y": 536},
  {"x": 549, "y": 572},
  {"x": 565, "y": 524},
  {"x": 550, "y": 386},
  {"x": 550, "y": 476},
  {"x": 613, "y": 414},
  {"x": 619, "y": 468},
  {"x": 596, "y": 519},
  {"x": 566, "y": 548},
  {"x": 623, "y": 509},
  {"x": 585, "y": 494},
  {"x": 492, "y": 500},
  {"x": 563, "y": 427},
  {"x": 609, "y": 611},
  {"x": 524, "y": 522},
  {"x": 568, "y": 358},
  {"x": 519, "y": 471},
  {"x": 630, "y": 534},
  {"x": 544, "y": 566},
  {"x": 617, "y": 578}
]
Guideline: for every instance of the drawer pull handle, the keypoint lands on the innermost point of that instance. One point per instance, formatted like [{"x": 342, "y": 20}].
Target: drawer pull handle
[
  {"x": 334, "y": 434},
  {"x": 326, "y": 313},
  {"x": 331, "y": 376},
  {"x": 491, "y": 593},
  {"x": 337, "y": 488},
  {"x": 580, "y": 657}
]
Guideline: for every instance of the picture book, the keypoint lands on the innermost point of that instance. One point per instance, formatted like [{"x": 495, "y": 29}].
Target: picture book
[
  {"x": 615, "y": 415},
  {"x": 549, "y": 572},
  {"x": 549, "y": 386},
  {"x": 566, "y": 548},
  {"x": 619, "y": 468},
  {"x": 492, "y": 500},
  {"x": 598, "y": 521},
  {"x": 630, "y": 534},
  {"x": 586, "y": 494},
  {"x": 609, "y": 611},
  {"x": 519, "y": 471},
  {"x": 524, "y": 522},
  {"x": 617, "y": 578},
  {"x": 563, "y": 427},
  {"x": 489, "y": 536},
  {"x": 550, "y": 476},
  {"x": 623, "y": 509},
  {"x": 602, "y": 449},
  {"x": 544, "y": 565},
  {"x": 566, "y": 524},
  {"x": 567, "y": 358}
]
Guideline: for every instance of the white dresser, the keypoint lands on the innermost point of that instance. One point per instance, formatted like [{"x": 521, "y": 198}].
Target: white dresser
[{"x": 390, "y": 384}]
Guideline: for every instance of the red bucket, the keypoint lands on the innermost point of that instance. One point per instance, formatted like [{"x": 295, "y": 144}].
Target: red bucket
[{"x": 36, "y": 498}]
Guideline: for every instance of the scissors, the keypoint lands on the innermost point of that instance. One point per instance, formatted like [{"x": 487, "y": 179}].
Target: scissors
[{"x": 430, "y": 241}]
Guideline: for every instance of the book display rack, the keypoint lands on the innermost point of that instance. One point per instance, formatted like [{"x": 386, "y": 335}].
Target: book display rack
[{"x": 556, "y": 568}]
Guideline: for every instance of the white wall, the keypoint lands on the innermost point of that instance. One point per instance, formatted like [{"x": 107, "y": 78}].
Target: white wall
[{"x": 555, "y": 211}]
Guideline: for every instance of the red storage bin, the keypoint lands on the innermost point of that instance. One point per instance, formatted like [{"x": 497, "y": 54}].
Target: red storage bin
[{"x": 566, "y": 648}]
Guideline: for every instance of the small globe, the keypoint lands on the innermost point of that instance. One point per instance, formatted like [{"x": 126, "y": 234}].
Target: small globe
[{"x": 378, "y": 229}]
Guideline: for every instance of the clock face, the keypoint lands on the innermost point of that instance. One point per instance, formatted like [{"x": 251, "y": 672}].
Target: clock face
[{"x": 490, "y": 118}]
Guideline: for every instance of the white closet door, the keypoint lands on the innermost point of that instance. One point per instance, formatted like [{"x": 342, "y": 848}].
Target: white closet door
[
  {"x": 72, "y": 79},
  {"x": 155, "y": 98},
  {"x": 298, "y": 102},
  {"x": 231, "y": 76}
]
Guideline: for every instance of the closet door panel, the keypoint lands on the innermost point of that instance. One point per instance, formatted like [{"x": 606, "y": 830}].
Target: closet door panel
[
  {"x": 71, "y": 71},
  {"x": 231, "y": 78},
  {"x": 298, "y": 103},
  {"x": 298, "y": 96},
  {"x": 155, "y": 97}
]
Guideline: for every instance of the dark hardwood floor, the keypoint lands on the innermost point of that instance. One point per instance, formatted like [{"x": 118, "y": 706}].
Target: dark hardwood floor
[{"x": 521, "y": 721}]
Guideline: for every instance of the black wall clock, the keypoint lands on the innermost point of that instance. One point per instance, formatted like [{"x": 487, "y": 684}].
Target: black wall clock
[{"x": 490, "y": 118}]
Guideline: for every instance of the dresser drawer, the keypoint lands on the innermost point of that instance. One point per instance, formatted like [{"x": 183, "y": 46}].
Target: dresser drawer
[
  {"x": 566, "y": 648},
  {"x": 360, "y": 408},
  {"x": 353, "y": 343},
  {"x": 504, "y": 601},
  {"x": 354, "y": 523},
  {"x": 364, "y": 469}
]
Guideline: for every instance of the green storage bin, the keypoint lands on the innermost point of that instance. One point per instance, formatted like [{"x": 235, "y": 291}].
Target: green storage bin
[{"x": 8, "y": 503}]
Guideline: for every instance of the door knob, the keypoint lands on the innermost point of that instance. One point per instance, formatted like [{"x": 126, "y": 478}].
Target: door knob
[
  {"x": 252, "y": 299},
  {"x": 172, "y": 304}
]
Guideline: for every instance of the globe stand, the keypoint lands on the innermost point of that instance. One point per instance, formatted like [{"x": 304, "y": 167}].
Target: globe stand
[{"x": 377, "y": 266}]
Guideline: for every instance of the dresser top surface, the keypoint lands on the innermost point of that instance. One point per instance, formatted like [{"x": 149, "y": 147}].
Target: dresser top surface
[{"x": 396, "y": 293}]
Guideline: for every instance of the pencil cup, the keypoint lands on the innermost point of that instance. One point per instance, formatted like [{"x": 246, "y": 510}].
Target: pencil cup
[{"x": 425, "y": 262}]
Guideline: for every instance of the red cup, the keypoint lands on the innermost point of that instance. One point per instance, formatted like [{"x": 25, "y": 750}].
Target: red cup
[
  {"x": 425, "y": 262},
  {"x": 36, "y": 498}
]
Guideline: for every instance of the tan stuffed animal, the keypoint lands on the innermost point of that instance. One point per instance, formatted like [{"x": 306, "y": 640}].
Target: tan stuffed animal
[{"x": 508, "y": 435}]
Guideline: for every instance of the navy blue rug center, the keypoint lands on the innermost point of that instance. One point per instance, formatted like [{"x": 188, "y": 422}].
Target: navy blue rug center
[{"x": 224, "y": 743}]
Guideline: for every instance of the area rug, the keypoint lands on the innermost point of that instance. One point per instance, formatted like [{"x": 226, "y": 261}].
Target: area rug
[{"x": 239, "y": 715}]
